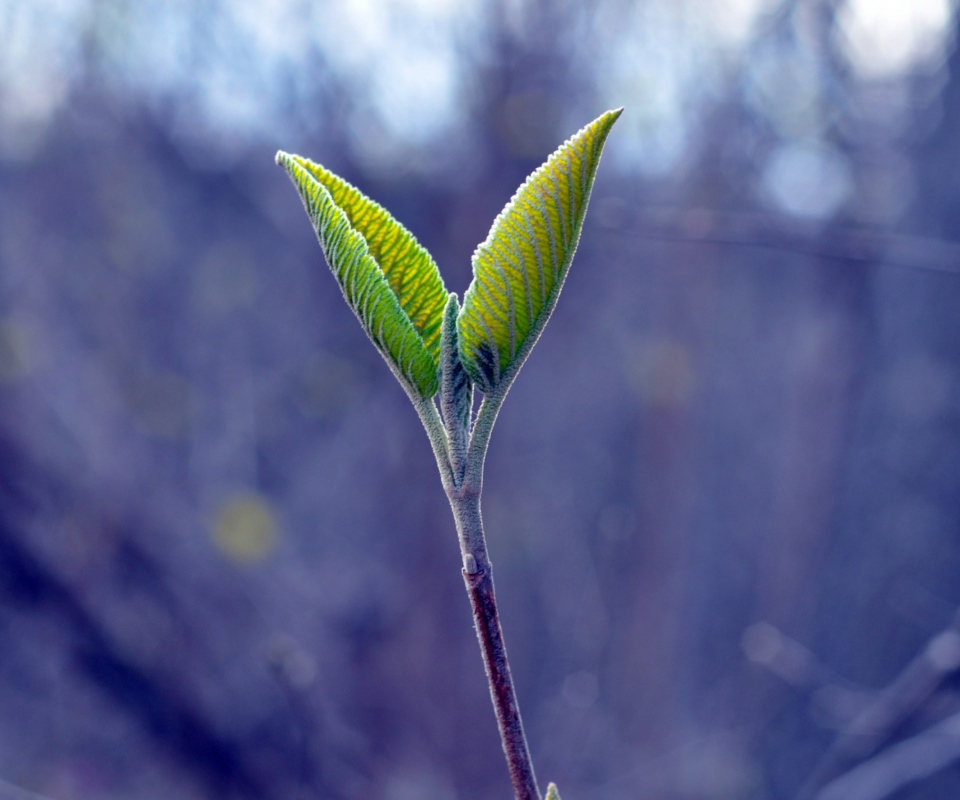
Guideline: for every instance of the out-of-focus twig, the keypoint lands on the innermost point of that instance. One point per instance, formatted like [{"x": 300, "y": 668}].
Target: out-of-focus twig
[
  {"x": 909, "y": 690},
  {"x": 907, "y": 761},
  {"x": 9, "y": 791},
  {"x": 767, "y": 646},
  {"x": 836, "y": 700},
  {"x": 880, "y": 246}
]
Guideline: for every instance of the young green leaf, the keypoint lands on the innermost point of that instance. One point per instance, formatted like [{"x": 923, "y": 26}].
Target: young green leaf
[
  {"x": 409, "y": 268},
  {"x": 520, "y": 268},
  {"x": 387, "y": 278},
  {"x": 552, "y": 793}
]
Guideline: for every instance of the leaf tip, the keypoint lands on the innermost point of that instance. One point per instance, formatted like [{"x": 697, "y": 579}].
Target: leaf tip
[
  {"x": 520, "y": 267},
  {"x": 288, "y": 163},
  {"x": 607, "y": 119}
]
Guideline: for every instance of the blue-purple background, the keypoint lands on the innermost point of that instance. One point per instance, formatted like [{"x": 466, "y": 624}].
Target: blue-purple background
[{"x": 227, "y": 568}]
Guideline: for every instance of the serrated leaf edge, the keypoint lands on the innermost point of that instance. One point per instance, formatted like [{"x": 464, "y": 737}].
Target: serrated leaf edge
[
  {"x": 501, "y": 379},
  {"x": 429, "y": 291},
  {"x": 418, "y": 377}
]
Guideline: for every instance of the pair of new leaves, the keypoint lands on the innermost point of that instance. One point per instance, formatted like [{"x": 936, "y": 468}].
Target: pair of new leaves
[{"x": 395, "y": 288}]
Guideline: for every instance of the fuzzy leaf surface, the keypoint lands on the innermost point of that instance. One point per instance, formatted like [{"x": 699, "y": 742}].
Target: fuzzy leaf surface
[
  {"x": 520, "y": 268},
  {"x": 387, "y": 278},
  {"x": 409, "y": 268},
  {"x": 552, "y": 793}
]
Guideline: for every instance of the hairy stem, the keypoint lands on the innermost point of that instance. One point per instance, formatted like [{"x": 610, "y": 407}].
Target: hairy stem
[
  {"x": 478, "y": 577},
  {"x": 479, "y": 440},
  {"x": 432, "y": 424},
  {"x": 464, "y": 497}
]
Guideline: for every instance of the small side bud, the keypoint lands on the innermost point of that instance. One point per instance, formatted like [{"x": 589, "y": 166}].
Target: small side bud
[{"x": 470, "y": 564}]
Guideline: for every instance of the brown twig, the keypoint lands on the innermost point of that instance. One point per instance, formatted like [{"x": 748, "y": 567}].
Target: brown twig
[{"x": 478, "y": 577}]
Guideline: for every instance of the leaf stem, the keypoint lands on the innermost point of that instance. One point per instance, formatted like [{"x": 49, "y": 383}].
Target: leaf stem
[
  {"x": 480, "y": 439},
  {"x": 433, "y": 425}
]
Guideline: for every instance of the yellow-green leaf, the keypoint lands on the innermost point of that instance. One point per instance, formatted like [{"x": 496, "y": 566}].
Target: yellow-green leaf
[
  {"x": 552, "y": 793},
  {"x": 520, "y": 268},
  {"x": 410, "y": 270},
  {"x": 387, "y": 278}
]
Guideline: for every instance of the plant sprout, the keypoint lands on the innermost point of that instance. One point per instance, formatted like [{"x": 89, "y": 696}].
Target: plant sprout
[{"x": 441, "y": 351}]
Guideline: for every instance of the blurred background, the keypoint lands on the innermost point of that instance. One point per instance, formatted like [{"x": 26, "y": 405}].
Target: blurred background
[{"x": 722, "y": 500}]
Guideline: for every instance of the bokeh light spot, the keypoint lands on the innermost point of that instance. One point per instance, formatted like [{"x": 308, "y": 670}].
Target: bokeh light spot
[
  {"x": 245, "y": 529},
  {"x": 886, "y": 38},
  {"x": 807, "y": 181}
]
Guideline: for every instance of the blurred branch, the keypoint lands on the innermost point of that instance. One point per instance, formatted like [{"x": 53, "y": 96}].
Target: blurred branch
[
  {"x": 219, "y": 763},
  {"x": 830, "y": 243},
  {"x": 10, "y": 792},
  {"x": 892, "y": 706},
  {"x": 155, "y": 704},
  {"x": 911, "y": 760},
  {"x": 767, "y": 646},
  {"x": 835, "y": 700},
  {"x": 915, "y": 758}
]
